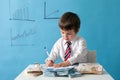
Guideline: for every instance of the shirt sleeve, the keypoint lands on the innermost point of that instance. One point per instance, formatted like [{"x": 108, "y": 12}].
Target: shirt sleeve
[
  {"x": 80, "y": 54},
  {"x": 54, "y": 52}
]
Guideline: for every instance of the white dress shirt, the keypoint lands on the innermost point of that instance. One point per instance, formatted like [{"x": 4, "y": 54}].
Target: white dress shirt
[{"x": 78, "y": 48}]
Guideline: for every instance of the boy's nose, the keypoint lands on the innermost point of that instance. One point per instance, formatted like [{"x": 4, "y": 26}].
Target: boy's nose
[{"x": 65, "y": 35}]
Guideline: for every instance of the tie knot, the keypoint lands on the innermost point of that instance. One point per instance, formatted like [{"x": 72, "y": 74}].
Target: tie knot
[{"x": 68, "y": 43}]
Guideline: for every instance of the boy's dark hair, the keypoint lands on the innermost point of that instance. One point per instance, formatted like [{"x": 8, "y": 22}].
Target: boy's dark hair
[{"x": 69, "y": 21}]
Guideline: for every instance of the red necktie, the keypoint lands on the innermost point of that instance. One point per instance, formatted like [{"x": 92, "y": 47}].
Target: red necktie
[{"x": 68, "y": 51}]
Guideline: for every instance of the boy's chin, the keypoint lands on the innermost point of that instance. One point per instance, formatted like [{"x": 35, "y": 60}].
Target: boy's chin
[{"x": 67, "y": 39}]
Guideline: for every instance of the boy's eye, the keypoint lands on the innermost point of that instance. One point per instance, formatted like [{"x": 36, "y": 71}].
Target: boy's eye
[{"x": 69, "y": 34}]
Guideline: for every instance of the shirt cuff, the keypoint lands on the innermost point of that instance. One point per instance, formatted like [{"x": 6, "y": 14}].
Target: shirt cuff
[{"x": 72, "y": 61}]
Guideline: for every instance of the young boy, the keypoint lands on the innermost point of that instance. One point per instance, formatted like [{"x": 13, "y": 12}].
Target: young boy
[{"x": 71, "y": 48}]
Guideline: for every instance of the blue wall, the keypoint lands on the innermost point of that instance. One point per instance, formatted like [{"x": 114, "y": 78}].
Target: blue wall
[{"x": 27, "y": 26}]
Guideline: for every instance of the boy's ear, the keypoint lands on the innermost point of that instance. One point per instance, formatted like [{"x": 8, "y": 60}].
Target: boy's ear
[{"x": 78, "y": 30}]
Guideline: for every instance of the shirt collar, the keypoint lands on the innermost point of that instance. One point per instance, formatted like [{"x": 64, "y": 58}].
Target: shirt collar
[{"x": 72, "y": 41}]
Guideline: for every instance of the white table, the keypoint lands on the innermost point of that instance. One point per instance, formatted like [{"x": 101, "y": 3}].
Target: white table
[{"x": 104, "y": 76}]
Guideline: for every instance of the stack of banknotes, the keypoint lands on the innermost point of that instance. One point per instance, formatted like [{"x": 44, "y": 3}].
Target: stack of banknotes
[
  {"x": 92, "y": 68},
  {"x": 69, "y": 71}
]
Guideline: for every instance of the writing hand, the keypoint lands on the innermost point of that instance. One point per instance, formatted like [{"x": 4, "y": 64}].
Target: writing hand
[{"x": 49, "y": 63}]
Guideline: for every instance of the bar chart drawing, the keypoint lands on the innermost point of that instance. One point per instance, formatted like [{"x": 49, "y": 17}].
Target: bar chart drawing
[
  {"x": 47, "y": 16},
  {"x": 22, "y": 14}
]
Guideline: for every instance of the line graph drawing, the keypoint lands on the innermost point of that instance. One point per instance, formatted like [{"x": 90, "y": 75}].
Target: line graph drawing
[
  {"x": 18, "y": 38},
  {"x": 21, "y": 14},
  {"x": 46, "y": 15}
]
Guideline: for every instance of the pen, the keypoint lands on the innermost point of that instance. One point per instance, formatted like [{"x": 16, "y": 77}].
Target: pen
[{"x": 46, "y": 51}]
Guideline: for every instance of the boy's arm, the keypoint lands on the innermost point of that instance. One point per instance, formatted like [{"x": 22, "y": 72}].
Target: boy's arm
[
  {"x": 62, "y": 64},
  {"x": 53, "y": 54}
]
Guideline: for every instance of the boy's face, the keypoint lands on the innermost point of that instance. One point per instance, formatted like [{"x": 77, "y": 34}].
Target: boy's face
[{"x": 68, "y": 35}]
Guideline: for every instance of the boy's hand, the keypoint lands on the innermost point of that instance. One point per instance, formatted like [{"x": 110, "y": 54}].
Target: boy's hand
[
  {"x": 49, "y": 63},
  {"x": 57, "y": 65},
  {"x": 63, "y": 64}
]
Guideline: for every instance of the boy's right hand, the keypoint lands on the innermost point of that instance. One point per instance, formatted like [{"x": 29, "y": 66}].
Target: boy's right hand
[{"x": 49, "y": 63}]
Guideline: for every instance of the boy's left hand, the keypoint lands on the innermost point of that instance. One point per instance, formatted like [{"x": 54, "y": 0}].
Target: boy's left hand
[
  {"x": 63, "y": 64},
  {"x": 57, "y": 65}
]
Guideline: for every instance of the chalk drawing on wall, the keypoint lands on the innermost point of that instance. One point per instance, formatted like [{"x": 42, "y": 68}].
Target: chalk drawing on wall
[
  {"x": 22, "y": 38},
  {"x": 21, "y": 14},
  {"x": 49, "y": 15}
]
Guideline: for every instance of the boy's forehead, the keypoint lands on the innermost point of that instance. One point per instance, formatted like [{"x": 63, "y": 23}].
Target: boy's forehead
[{"x": 72, "y": 30}]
